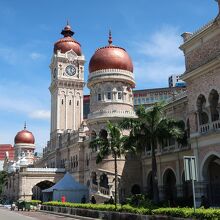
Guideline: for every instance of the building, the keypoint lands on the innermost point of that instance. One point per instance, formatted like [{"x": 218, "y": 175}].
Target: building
[
  {"x": 111, "y": 84},
  {"x": 198, "y": 108},
  {"x": 148, "y": 97},
  {"x": 5, "y": 149},
  {"x": 86, "y": 106},
  {"x": 144, "y": 97},
  {"x": 175, "y": 81}
]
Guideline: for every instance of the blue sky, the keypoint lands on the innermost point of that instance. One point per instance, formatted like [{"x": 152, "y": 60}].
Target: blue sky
[{"x": 149, "y": 30}]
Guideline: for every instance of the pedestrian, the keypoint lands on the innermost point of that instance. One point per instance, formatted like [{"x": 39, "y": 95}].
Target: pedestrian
[
  {"x": 93, "y": 200},
  {"x": 111, "y": 200},
  {"x": 83, "y": 200},
  {"x": 13, "y": 206}
]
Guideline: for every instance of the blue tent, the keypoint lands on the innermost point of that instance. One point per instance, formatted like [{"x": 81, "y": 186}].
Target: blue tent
[{"x": 68, "y": 187}]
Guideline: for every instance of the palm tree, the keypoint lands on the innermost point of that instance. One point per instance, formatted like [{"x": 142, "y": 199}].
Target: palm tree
[
  {"x": 151, "y": 128},
  {"x": 3, "y": 180},
  {"x": 113, "y": 143}
]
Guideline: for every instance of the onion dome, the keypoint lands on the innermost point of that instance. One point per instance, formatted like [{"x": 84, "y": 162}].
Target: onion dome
[
  {"x": 110, "y": 57},
  {"x": 67, "y": 42},
  {"x": 24, "y": 137}
]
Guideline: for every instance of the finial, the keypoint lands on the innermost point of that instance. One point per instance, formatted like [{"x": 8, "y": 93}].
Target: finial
[
  {"x": 110, "y": 37},
  {"x": 25, "y": 125},
  {"x": 67, "y": 32}
]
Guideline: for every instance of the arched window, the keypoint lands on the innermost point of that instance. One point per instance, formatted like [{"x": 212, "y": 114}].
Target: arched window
[
  {"x": 203, "y": 117},
  {"x": 213, "y": 101},
  {"x": 109, "y": 93},
  {"x": 169, "y": 184},
  {"x": 103, "y": 134},
  {"x": 99, "y": 96},
  {"x": 94, "y": 178},
  {"x": 119, "y": 94},
  {"x": 104, "y": 180},
  {"x": 188, "y": 128}
]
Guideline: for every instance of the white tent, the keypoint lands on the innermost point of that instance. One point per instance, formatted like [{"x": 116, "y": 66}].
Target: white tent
[{"x": 68, "y": 187}]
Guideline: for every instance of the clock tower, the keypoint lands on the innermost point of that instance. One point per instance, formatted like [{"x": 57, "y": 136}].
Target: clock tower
[{"x": 67, "y": 82}]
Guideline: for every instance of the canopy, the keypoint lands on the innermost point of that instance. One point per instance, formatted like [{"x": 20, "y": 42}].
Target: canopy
[{"x": 67, "y": 187}]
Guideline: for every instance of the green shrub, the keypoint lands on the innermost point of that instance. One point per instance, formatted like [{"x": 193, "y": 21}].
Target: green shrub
[
  {"x": 35, "y": 202},
  {"x": 140, "y": 200},
  {"x": 208, "y": 214},
  {"x": 101, "y": 207}
]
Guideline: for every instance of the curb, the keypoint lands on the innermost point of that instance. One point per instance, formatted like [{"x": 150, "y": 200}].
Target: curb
[{"x": 68, "y": 215}]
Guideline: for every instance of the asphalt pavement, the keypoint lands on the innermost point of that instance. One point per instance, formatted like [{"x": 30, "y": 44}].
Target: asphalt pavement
[{"x": 7, "y": 214}]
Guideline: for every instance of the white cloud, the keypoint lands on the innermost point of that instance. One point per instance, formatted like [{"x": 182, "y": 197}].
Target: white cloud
[
  {"x": 156, "y": 73},
  {"x": 40, "y": 114},
  {"x": 162, "y": 57},
  {"x": 23, "y": 101},
  {"x": 162, "y": 44},
  {"x": 36, "y": 56}
]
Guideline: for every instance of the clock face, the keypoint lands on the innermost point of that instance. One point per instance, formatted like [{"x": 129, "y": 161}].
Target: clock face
[{"x": 70, "y": 70}]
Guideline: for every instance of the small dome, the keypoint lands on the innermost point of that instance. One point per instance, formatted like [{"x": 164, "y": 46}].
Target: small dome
[
  {"x": 67, "y": 43},
  {"x": 110, "y": 57},
  {"x": 24, "y": 137}
]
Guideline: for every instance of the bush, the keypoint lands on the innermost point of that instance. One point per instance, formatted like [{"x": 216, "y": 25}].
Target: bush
[
  {"x": 141, "y": 201},
  {"x": 101, "y": 207},
  {"x": 35, "y": 202},
  {"x": 208, "y": 214}
]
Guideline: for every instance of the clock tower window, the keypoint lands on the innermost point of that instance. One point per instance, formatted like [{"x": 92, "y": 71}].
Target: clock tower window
[{"x": 99, "y": 97}]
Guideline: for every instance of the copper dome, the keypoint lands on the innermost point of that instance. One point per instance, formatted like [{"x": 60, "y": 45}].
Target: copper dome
[
  {"x": 24, "y": 137},
  {"x": 67, "y": 42},
  {"x": 110, "y": 57}
]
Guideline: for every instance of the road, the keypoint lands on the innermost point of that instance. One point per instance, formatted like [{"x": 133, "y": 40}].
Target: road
[{"x": 6, "y": 214}]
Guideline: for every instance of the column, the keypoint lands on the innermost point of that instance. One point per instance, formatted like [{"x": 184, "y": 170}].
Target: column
[
  {"x": 58, "y": 112},
  {"x": 74, "y": 112},
  {"x": 98, "y": 183},
  {"x": 81, "y": 109},
  {"x": 52, "y": 115},
  {"x": 66, "y": 106}
]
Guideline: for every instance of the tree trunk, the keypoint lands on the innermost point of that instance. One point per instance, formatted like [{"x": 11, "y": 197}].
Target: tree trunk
[
  {"x": 154, "y": 174},
  {"x": 116, "y": 180}
]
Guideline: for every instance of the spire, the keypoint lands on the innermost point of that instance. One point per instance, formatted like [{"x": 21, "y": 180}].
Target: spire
[
  {"x": 110, "y": 37},
  {"x": 25, "y": 125},
  {"x": 67, "y": 31}
]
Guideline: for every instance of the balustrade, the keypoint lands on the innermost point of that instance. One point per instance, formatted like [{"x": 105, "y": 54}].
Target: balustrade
[
  {"x": 104, "y": 190},
  {"x": 213, "y": 126}
]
